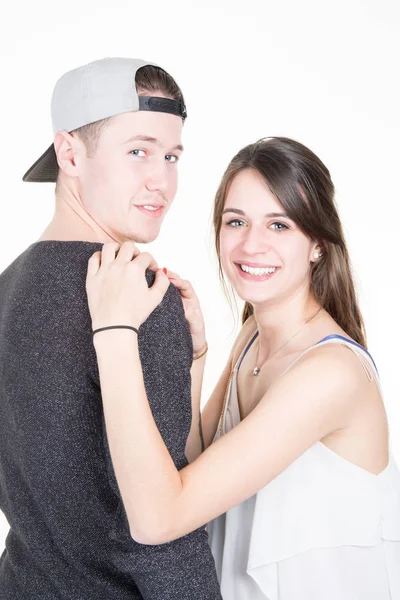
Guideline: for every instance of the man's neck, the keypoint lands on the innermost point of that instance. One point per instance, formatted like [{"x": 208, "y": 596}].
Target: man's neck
[
  {"x": 71, "y": 221},
  {"x": 69, "y": 232}
]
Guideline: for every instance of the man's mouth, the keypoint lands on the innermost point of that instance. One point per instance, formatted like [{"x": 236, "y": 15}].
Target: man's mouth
[{"x": 151, "y": 210}]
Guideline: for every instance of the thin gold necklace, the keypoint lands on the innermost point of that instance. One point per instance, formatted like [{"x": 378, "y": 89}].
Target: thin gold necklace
[{"x": 256, "y": 370}]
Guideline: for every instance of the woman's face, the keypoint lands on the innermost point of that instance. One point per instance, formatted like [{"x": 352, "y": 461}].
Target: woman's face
[{"x": 264, "y": 254}]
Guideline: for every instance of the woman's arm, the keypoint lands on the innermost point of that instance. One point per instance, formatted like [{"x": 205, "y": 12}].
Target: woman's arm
[
  {"x": 161, "y": 503},
  {"x": 195, "y": 441}
]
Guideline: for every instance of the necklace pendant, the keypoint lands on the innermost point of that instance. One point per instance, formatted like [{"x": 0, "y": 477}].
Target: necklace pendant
[{"x": 256, "y": 371}]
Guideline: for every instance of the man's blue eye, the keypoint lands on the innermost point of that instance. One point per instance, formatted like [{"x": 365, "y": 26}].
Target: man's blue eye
[
  {"x": 171, "y": 158},
  {"x": 136, "y": 152}
]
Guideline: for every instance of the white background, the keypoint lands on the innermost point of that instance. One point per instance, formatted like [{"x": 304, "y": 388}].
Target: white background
[{"x": 324, "y": 73}]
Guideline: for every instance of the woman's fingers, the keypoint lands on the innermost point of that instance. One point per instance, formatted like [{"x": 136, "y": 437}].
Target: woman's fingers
[
  {"x": 108, "y": 253},
  {"x": 171, "y": 275},
  {"x": 185, "y": 288},
  {"x": 93, "y": 265},
  {"x": 127, "y": 252},
  {"x": 113, "y": 253},
  {"x": 152, "y": 263},
  {"x": 145, "y": 261},
  {"x": 160, "y": 285}
]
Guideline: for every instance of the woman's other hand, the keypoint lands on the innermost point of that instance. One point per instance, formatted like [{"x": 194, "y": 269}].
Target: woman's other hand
[{"x": 193, "y": 313}]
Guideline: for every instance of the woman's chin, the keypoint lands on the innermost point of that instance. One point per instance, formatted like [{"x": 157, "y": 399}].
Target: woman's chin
[{"x": 254, "y": 298}]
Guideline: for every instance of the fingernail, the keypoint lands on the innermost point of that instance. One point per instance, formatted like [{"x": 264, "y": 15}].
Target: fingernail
[{"x": 165, "y": 270}]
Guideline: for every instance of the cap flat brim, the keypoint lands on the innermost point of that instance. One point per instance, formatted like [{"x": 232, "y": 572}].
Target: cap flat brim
[{"x": 45, "y": 169}]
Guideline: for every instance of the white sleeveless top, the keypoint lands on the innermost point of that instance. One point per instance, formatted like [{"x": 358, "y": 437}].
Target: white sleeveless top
[{"x": 323, "y": 529}]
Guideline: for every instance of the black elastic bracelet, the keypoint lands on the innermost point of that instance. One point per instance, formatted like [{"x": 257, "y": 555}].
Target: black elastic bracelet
[{"x": 116, "y": 327}]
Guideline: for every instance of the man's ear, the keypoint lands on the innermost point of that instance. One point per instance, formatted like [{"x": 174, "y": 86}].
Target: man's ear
[{"x": 68, "y": 148}]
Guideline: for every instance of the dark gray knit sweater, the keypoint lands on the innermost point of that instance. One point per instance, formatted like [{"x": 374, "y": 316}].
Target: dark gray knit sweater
[{"x": 69, "y": 538}]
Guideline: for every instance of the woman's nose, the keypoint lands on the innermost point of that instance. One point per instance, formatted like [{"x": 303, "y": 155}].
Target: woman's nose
[{"x": 255, "y": 240}]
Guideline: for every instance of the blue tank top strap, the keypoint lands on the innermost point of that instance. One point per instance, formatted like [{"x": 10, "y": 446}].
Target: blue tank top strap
[
  {"x": 325, "y": 339},
  {"x": 341, "y": 337},
  {"x": 246, "y": 349}
]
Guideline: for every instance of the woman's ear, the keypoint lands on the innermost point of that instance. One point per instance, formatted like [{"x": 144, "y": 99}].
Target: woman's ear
[{"x": 316, "y": 253}]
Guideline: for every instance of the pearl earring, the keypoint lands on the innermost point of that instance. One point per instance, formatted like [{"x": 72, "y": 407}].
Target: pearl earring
[{"x": 317, "y": 254}]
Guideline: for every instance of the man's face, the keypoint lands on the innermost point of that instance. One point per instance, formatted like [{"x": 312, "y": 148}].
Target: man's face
[{"x": 129, "y": 183}]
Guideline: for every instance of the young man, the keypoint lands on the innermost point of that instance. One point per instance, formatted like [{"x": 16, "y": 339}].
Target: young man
[{"x": 117, "y": 125}]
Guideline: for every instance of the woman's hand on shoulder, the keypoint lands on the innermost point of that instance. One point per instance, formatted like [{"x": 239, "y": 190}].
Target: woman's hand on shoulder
[
  {"x": 193, "y": 312},
  {"x": 117, "y": 289}
]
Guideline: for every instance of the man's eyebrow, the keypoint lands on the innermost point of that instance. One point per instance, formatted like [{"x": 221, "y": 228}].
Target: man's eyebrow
[
  {"x": 268, "y": 215},
  {"x": 151, "y": 140}
]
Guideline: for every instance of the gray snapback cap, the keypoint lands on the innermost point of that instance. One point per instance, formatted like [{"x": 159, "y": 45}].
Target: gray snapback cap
[{"x": 101, "y": 89}]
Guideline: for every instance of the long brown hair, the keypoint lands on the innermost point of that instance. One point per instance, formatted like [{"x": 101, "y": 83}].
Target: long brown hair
[{"x": 303, "y": 185}]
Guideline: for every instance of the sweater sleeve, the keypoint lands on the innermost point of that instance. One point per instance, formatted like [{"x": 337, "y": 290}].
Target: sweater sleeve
[{"x": 182, "y": 569}]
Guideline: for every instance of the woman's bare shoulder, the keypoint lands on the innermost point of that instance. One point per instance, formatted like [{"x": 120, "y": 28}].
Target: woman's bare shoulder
[{"x": 334, "y": 369}]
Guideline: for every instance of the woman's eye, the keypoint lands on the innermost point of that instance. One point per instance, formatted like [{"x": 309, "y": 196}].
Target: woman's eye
[
  {"x": 171, "y": 158},
  {"x": 137, "y": 152},
  {"x": 279, "y": 226},
  {"x": 236, "y": 223}
]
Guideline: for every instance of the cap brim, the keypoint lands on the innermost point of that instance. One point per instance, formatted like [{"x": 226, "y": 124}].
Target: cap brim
[{"x": 45, "y": 169}]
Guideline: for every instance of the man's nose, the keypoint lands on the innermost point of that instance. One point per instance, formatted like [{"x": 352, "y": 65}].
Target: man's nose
[{"x": 157, "y": 177}]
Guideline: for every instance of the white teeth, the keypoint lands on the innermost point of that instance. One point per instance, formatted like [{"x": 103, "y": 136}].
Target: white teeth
[
  {"x": 257, "y": 270},
  {"x": 148, "y": 207}
]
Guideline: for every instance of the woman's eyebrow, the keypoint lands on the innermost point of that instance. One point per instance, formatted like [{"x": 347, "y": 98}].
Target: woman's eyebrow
[
  {"x": 277, "y": 214},
  {"x": 268, "y": 215},
  {"x": 234, "y": 210}
]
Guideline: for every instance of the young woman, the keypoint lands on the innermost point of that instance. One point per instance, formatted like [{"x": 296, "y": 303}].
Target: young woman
[{"x": 300, "y": 487}]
